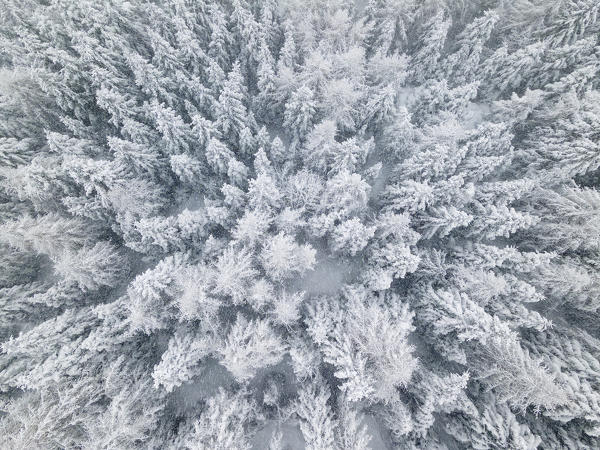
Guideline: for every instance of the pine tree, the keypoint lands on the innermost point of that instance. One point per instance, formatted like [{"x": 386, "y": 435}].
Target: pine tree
[
  {"x": 346, "y": 193},
  {"x": 50, "y": 234},
  {"x": 231, "y": 113},
  {"x": 316, "y": 419},
  {"x": 282, "y": 258},
  {"x": 387, "y": 23},
  {"x": 573, "y": 22},
  {"x": 249, "y": 346},
  {"x": 224, "y": 424},
  {"x": 91, "y": 268},
  {"x": 300, "y": 112},
  {"x": 518, "y": 378},
  {"x": 462, "y": 65},
  {"x": 220, "y": 36},
  {"x": 266, "y": 83},
  {"x": 578, "y": 118},
  {"x": 424, "y": 61},
  {"x": 150, "y": 293},
  {"x": 234, "y": 271},
  {"x": 351, "y": 236},
  {"x": 180, "y": 362}
]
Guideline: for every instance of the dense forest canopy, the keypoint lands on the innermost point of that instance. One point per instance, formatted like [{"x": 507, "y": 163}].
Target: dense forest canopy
[{"x": 320, "y": 224}]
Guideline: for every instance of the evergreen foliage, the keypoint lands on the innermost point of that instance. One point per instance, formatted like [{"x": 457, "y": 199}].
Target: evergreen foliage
[{"x": 284, "y": 224}]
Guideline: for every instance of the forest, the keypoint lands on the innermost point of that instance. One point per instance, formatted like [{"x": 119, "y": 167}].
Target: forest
[{"x": 299, "y": 224}]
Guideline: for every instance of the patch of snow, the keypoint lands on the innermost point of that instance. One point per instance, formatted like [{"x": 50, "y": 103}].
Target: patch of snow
[{"x": 328, "y": 277}]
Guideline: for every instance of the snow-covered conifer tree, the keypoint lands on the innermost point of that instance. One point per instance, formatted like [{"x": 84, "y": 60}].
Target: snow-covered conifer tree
[{"x": 284, "y": 224}]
